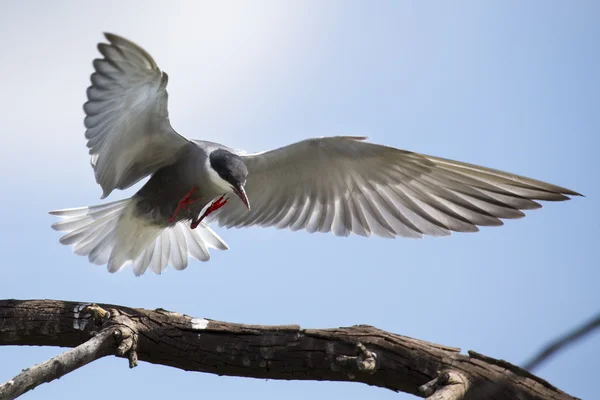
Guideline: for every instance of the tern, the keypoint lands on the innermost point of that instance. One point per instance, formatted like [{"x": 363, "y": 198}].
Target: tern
[{"x": 339, "y": 184}]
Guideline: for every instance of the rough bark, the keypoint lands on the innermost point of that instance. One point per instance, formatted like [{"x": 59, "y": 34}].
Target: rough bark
[{"x": 360, "y": 353}]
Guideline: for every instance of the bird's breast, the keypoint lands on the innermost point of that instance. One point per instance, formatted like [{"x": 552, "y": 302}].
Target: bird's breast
[{"x": 173, "y": 194}]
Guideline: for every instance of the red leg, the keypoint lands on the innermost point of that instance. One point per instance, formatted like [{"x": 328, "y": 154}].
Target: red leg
[
  {"x": 220, "y": 202},
  {"x": 183, "y": 203}
]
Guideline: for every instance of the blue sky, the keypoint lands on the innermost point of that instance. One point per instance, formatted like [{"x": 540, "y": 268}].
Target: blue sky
[{"x": 511, "y": 85}]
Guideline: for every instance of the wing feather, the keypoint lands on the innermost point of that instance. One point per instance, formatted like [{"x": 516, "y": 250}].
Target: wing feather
[
  {"x": 127, "y": 122},
  {"x": 348, "y": 186}
]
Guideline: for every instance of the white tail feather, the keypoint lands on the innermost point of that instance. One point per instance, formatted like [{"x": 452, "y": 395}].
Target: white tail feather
[{"x": 111, "y": 234}]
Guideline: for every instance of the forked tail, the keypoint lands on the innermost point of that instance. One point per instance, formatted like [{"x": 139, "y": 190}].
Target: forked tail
[{"x": 111, "y": 234}]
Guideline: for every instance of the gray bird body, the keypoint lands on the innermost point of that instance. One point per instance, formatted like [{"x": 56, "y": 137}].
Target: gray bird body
[
  {"x": 339, "y": 184},
  {"x": 157, "y": 200}
]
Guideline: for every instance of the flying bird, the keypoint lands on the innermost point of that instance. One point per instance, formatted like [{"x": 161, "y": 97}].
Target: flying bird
[{"x": 341, "y": 184}]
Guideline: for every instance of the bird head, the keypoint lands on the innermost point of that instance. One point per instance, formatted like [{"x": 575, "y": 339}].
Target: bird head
[{"x": 229, "y": 172}]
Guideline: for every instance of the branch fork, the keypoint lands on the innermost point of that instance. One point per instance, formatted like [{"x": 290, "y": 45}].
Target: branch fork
[
  {"x": 110, "y": 337},
  {"x": 128, "y": 341},
  {"x": 124, "y": 334}
]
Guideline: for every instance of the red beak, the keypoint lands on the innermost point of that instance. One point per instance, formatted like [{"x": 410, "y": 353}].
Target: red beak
[{"x": 242, "y": 195}]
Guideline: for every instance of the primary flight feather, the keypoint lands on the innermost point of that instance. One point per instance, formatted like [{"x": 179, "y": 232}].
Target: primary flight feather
[{"x": 337, "y": 184}]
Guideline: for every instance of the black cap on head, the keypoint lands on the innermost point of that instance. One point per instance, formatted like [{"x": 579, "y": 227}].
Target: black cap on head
[
  {"x": 229, "y": 166},
  {"x": 232, "y": 169}
]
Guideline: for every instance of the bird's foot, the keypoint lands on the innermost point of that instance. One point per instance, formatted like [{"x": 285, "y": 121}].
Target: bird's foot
[
  {"x": 184, "y": 203},
  {"x": 220, "y": 202}
]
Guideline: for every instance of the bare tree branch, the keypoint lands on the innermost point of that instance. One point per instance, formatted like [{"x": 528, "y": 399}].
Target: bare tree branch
[
  {"x": 99, "y": 346},
  {"x": 359, "y": 353}
]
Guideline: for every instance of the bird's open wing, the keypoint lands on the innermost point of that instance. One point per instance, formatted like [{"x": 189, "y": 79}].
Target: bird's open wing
[
  {"x": 346, "y": 185},
  {"x": 127, "y": 120}
]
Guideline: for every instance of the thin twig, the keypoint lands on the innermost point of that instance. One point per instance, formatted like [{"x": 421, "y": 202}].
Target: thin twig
[
  {"x": 562, "y": 342},
  {"x": 491, "y": 389},
  {"x": 103, "y": 344}
]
